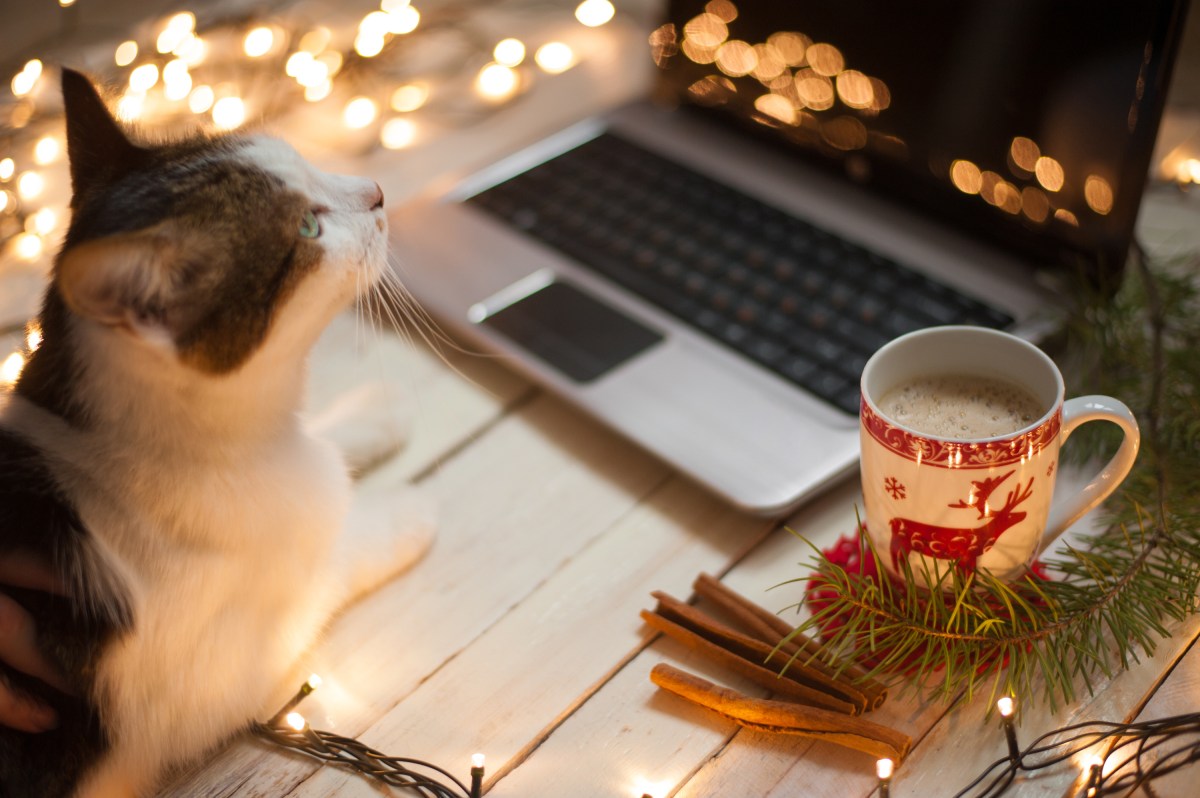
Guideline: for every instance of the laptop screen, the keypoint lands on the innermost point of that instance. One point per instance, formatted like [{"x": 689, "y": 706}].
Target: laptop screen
[{"x": 1026, "y": 122}]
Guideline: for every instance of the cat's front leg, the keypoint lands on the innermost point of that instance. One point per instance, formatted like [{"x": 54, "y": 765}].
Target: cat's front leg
[
  {"x": 368, "y": 423},
  {"x": 389, "y": 528}
]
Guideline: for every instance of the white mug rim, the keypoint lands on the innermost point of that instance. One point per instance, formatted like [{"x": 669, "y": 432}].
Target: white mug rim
[{"x": 999, "y": 335}]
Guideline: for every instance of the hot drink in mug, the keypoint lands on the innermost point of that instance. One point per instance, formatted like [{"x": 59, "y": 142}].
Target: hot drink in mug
[{"x": 961, "y": 429}]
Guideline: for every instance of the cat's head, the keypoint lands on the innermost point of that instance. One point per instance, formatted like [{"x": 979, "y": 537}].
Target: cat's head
[{"x": 202, "y": 250}]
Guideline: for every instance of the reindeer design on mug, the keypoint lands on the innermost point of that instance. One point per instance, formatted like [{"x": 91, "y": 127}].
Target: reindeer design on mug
[{"x": 963, "y": 544}]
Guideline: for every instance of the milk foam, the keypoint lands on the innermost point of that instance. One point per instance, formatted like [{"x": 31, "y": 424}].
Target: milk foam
[{"x": 961, "y": 406}]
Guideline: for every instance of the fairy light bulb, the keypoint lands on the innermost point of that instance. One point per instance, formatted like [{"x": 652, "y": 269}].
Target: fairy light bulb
[
  {"x": 554, "y": 57},
  {"x": 143, "y": 78},
  {"x": 30, "y": 185},
  {"x": 409, "y": 97},
  {"x": 496, "y": 82},
  {"x": 476, "y": 775},
  {"x": 296, "y": 721},
  {"x": 398, "y": 133},
  {"x": 46, "y": 150},
  {"x": 25, "y": 80},
  {"x": 229, "y": 112},
  {"x": 883, "y": 771},
  {"x": 594, "y": 13},
  {"x": 359, "y": 112},
  {"x": 192, "y": 49},
  {"x": 126, "y": 52},
  {"x": 11, "y": 369},
  {"x": 509, "y": 52},
  {"x": 42, "y": 222},
  {"x": 258, "y": 42},
  {"x": 316, "y": 40},
  {"x": 130, "y": 106},
  {"x": 7, "y": 167},
  {"x": 1004, "y": 705},
  {"x": 368, "y": 45},
  {"x": 318, "y": 92},
  {"x": 201, "y": 99},
  {"x": 28, "y": 246},
  {"x": 404, "y": 20}
]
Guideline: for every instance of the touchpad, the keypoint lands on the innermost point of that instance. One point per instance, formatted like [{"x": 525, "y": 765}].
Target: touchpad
[{"x": 572, "y": 331}]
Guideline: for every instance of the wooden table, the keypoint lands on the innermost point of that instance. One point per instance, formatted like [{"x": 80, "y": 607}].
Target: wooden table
[{"x": 518, "y": 635}]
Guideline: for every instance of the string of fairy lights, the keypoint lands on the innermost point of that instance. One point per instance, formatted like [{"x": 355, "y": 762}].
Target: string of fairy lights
[
  {"x": 388, "y": 79},
  {"x": 1114, "y": 759}
]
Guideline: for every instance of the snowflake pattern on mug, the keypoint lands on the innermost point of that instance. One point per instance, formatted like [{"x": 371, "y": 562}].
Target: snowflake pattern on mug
[{"x": 894, "y": 487}]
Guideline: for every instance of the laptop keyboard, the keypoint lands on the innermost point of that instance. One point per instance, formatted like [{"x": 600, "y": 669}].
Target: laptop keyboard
[{"x": 801, "y": 302}]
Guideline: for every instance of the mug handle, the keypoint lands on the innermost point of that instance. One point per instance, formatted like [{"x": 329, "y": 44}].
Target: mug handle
[{"x": 1081, "y": 410}]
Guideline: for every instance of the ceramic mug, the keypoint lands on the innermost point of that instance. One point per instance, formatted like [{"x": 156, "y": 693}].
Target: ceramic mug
[{"x": 975, "y": 503}]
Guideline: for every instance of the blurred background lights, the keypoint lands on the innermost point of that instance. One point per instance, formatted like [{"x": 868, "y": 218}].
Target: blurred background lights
[
  {"x": 409, "y": 97},
  {"x": 126, "y": 52},
  {"x": 1098, "y": 194},
  {"x": 496, "y": 82},
  {"x": 392, "y": 6},
  {"x": 228, "y": 112},
  {"x": 398, "y": 133},
  {"x": 1049, "y": 173},
  {"x": 46, "y": 150},
  {"x": 966, "y": 177},
  {"x": 594, "y": 13},
  {"x": 176, "y": 32},
  {"x": 405, "y": 20},
  {"x": 7, "y": 167},
  {"x": 359, "y": 112},
  {"x": 318, "y": 92},
  {"x": 554, "y": 57},
  {"x": 11, "y": 368},
  {"x": 30, "y": 185},
  {"x": 143, "y": 78},
  {"x": 28, "y": 246},
  {"x": 201, "y": 99},
  {"x": 24, "y": 81},
  {"x": 42, "y": 222},
  {"x": 258, "y": 41},
  {"x": 316, "y": 40},
  {"x": 130, "y": 106},
  {"x": 825, "y": 59},
  {"x": 509, "y": 52}
]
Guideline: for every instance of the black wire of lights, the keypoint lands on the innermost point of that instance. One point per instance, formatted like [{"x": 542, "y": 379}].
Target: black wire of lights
[
  {"x": 1135, "y": 754},
  {"x": 288, "y": 729}
]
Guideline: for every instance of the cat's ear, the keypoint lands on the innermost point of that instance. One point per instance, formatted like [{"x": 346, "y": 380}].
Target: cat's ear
[
  {"x": 97, "y": 147},
  {"x": 127, "y": 280}
]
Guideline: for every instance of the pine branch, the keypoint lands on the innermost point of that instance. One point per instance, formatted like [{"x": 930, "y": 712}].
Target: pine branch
[{"x": 1110, "y": 601}]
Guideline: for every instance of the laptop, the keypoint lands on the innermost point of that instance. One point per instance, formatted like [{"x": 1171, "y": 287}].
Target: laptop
[{"x": 706, "y": 271}]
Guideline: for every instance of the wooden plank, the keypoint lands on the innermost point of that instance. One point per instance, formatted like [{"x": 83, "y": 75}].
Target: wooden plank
[
  {"x": 526, "y": 497},
  {"x": 507, "y": 691}
]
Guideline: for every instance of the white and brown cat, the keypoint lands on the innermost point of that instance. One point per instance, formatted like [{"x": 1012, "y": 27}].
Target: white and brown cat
[{"x": 153, "y": 452}]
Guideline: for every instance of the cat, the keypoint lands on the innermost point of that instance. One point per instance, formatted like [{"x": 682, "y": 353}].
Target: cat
[{"x": 153, "y": 451}]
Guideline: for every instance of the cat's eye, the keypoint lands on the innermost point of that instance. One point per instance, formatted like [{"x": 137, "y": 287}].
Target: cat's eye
[{"x": 309, "y": 226}]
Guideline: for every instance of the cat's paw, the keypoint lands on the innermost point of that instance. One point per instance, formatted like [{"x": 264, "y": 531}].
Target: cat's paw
[
  {"x": 389, "y": 528},
  {"x": 368, "y": 423}
]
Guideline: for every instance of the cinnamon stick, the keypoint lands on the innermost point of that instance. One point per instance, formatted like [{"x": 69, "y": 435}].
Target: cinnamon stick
[
  {"x": 783, "y": 717},
  {"x": 757, "y": 651},
  {"x": 771, "y": 629},
  {"x": 757, "y": 673}
]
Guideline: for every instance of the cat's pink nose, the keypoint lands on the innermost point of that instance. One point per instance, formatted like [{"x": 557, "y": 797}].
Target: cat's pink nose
[{"x": 377, "y": 197}]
